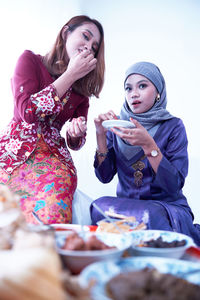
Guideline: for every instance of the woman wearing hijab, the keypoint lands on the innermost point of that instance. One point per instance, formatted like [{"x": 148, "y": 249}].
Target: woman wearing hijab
[{"x": 150, "y": 159}]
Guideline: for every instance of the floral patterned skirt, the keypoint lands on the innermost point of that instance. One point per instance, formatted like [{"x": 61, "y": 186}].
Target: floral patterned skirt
[{"x": 45, "y": 185}]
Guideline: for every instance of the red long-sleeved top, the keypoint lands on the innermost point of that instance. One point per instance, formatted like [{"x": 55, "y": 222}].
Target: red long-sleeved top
[{"x": 38, "y": 111}]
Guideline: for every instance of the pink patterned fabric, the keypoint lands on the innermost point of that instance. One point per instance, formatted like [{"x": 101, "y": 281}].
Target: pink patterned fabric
[{"x": 45, "y": 185}]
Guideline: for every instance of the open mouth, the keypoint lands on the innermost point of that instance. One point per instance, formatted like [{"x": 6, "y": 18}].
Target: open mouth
[{"x": 136, "y": 102}]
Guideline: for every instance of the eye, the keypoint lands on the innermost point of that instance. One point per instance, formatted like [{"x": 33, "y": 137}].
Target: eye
[
  {"x": 86, "y": 37},
  {"x": 142, "y": 86},
  {"x": 128, "y": 89}
]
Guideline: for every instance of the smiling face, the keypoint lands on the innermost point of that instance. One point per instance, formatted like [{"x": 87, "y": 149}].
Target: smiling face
[
  {"x": 140, "y": 93},
  {"x": 86, "y": 35}
]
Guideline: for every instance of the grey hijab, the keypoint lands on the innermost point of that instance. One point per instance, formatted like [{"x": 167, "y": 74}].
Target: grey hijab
[{"x": 152, "y": 118}]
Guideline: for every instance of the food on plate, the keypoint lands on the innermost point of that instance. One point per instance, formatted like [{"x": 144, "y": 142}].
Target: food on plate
[
  {"x": 160, "y": 243},
  {"x": 150, "y": 284},
  {"x": 75, "y": 242},
  {"x": 120, "y": 216},
  {"x": 118, "y": 226}
]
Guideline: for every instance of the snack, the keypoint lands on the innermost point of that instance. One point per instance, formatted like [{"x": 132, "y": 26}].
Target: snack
[
  {"x": 120, "y": 226},
  {"x": 160, "y": 243},
  {"x": 150, "y": 284},
  {"x": 75, "y": 242}
]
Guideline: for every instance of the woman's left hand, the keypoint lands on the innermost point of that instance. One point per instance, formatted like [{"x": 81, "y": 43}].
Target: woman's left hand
[
  {"x": 77, "y": 127},
  {"x": 137, "y": 136}
]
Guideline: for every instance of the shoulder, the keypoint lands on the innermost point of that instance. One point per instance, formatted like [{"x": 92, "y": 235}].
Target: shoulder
[
  {"x": 172, "y": 128},
  {"x": 30, "y": 56},
  {"x": 28, "y": 63},
  {"x": 172, "y": 123}
]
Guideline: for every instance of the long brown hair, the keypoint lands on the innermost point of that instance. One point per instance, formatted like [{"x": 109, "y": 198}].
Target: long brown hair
[{"x": 57, "y": 59}]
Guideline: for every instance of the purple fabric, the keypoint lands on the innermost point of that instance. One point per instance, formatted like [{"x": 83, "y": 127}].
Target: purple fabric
[{"x": 161, "y": 193}]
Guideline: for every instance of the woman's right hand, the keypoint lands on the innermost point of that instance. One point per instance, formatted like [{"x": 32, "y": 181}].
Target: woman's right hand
[
  {"x": 79, "y": 65},
  {"x": 110, "y": 115},
  {"x": 82, "y": 63}
]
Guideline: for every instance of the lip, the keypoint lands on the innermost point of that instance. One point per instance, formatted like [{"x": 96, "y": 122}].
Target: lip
[{"x": 136, "y": 104}]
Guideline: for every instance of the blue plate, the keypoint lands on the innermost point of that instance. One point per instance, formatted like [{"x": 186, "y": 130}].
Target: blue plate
[{"x": 103, "y": 271}]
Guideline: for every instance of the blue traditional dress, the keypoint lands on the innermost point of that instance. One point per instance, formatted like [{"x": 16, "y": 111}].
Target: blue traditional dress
[{"x": 140, "y": 189}]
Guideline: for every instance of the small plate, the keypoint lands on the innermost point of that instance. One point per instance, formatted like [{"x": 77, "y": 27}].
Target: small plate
[{"x": 117, "y": 123}]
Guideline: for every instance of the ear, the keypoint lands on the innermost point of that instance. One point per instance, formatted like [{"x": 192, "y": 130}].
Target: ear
[{"x": 64, "y": 32}]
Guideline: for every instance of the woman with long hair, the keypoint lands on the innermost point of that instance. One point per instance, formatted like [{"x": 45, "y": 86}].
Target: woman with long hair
[{"x": 48, "y": 91}]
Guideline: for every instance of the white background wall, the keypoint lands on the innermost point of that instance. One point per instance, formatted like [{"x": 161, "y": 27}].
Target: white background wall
[{"x": 164, "y": 32}]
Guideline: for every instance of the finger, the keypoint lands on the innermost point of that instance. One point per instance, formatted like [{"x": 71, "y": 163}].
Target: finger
[
  {"x": 82, "y": 124},
  {"x": 123, "y": 133},
  {"x": 84, "y": 52},
  {"x": 114, "y": 116},
  {"x": 71, "y": 129},
  {"x": 136, "y": 123},
  {"x": 92, "y": 63}
]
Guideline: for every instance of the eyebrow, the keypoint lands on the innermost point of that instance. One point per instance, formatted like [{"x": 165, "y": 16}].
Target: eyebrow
[
  {"x": 140, "y": 81},
  {"x": 143, "y": 80}
]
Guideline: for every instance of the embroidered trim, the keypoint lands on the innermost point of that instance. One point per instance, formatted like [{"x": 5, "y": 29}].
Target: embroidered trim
[{"x": 138, "y": 175}]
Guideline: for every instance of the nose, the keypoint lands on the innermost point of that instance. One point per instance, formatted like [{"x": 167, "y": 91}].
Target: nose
[
  {"x": 134, "y": 93},
  {"x": 88, "y": 46}
]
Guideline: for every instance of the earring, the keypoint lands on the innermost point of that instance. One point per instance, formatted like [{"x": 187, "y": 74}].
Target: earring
[{"x": 158, "y": 97}]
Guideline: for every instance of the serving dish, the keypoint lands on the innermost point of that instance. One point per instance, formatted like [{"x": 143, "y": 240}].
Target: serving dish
[
  {"x": 102, "y": 272},
  {"x": 142, "y": 236},
  {"x": 76, "y": 260}
]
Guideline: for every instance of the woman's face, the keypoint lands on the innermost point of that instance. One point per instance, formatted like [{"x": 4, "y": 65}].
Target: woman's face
[
  {"x": 140, "y": 93},
  {"x": 84, "y": 36}
]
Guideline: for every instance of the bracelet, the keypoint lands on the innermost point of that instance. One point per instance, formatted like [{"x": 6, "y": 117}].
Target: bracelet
[{"x": 101, "y": 154}]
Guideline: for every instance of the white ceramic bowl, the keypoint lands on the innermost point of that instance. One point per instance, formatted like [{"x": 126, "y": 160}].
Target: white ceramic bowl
[
  {"x": 75, "y": 260},
  {"x": 141, "y": 236}
]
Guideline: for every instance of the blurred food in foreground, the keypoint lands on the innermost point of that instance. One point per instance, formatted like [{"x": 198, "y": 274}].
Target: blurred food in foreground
[
  {"x": 30, "y": 267},
  {"x": 150, "y": 284}
]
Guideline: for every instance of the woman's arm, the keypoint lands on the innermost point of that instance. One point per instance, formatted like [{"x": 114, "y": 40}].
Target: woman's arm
[
  {"x": 173, "y": 167},
  {"x": 32, "y": 103}
]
